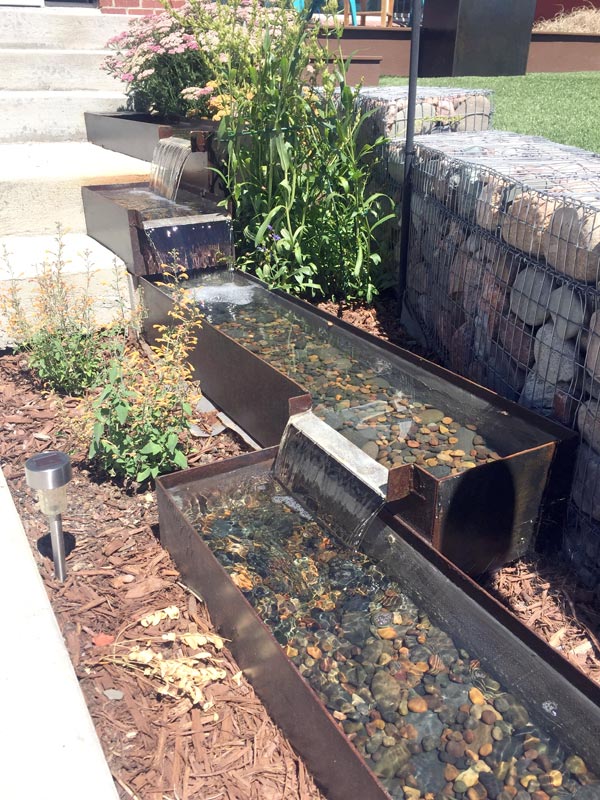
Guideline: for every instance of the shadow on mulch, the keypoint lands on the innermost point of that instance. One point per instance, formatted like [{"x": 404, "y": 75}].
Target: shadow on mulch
[{"x": 44, "y": 545}]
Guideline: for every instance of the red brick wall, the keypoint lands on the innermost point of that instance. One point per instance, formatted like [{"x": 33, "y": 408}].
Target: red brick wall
[
  {"x": 546, "y": 9},
  {"x": 135, "y": 7}
]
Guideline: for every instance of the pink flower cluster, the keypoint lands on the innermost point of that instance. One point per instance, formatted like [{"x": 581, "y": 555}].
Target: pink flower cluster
[{"x": 145, "y": 39}]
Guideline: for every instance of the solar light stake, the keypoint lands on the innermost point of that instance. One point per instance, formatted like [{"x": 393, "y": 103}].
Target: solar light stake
[{"x": 49, "y": 473}]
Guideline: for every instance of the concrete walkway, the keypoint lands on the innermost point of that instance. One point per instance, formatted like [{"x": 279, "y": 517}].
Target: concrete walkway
[
  {"x": 50, "y": 748},
  {"x": 49, "y": 745}
]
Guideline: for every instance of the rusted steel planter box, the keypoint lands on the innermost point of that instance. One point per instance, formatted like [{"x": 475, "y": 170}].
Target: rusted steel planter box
[
  {"x": 480, "y": 518},
  {"x": 203, "y": 239},
  {"x": 552, "y": 52},
  {"x": 563, "y": 699},
  {"x": 137, "y": 135}
]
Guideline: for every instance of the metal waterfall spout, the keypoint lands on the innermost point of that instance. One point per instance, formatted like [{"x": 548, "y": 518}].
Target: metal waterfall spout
[
  {"x": 168, "y": 160},
  {"x": 338, "y": 484}
]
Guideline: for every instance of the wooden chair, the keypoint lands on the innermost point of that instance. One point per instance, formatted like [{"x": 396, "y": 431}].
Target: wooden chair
[{"x": 386, "y": 11}]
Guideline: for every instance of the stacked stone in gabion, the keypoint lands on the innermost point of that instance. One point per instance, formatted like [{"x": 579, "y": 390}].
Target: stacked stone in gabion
[
  {"x": 438, "y": 109},
  {"x": 504, "y": 277}
]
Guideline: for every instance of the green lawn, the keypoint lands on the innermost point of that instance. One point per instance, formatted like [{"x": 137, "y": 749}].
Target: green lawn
[{"x": 560, "y": 106}]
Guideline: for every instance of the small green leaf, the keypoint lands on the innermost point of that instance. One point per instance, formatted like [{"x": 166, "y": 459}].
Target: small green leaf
[
  {"x": 172, "y": 440},
  {"x": 179, "y": 459},
  {"x": 151, "y": 449}
]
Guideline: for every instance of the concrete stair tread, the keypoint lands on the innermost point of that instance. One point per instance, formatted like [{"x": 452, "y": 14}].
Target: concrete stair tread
[
  {"x": 56, "y": 27},
  {"x": 31, "y": 70},
  {"x": 40, "y": 183},
  {"x": 55, "y": 94},
  {"x": 35, "y": 51},
  {"x": 52, "y": 116},
  {"x": 65, "y": 161}
]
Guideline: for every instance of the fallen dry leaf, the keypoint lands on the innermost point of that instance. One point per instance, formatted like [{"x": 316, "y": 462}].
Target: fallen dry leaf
[
  {"x": 557, "y": 637},
  {"x": 152, "y": 619},
  {"x": 102, "y": 639}
]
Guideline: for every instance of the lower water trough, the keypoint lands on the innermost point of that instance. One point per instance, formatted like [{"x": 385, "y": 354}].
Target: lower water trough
[{"x": 390, "y": 671}]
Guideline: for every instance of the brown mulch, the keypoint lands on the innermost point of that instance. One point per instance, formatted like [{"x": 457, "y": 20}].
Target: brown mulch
[
  {"x": 382, "y": 319},
  {"x": 160, "y": 747},
  {"x": 156, "y": 746}
]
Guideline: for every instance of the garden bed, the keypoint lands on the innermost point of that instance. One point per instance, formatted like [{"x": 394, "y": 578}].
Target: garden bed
[
  {"x": 563, "y": 52},
  {"x": 118, "y": 573}
]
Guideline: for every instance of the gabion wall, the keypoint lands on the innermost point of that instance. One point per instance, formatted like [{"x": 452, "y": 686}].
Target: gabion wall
[
  {"x": 504, "y": 279},
  {"x": 438, "y": 109}
]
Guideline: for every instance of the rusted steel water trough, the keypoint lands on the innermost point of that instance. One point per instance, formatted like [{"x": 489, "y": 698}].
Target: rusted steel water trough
[
  {"x": 493, "y": 506},
  {"x": 505, "y": 666}
]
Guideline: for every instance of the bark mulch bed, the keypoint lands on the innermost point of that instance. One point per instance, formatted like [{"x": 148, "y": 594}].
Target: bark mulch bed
[
  {"x": 161, "y": 747},
  {"x": 156, "y": 746}
]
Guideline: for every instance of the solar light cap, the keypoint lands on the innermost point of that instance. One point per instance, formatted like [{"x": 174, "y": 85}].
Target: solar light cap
[{"x": 48, "y": 470}]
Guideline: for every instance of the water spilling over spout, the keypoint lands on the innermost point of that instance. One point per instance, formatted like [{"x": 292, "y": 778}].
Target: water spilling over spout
[
  {"x": 168, "y": 160},
  {"x": 340, "y": 485}
]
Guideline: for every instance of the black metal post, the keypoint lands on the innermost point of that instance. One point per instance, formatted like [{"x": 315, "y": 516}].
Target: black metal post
[{"x": 409, "y": 147}]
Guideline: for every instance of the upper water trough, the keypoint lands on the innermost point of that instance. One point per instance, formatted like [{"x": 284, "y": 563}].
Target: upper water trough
[
  {"x": 177, "y": 211},
  {"x": 466, "y": 469}
]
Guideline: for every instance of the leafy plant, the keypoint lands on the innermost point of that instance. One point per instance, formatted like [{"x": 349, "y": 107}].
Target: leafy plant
[
  {"x": 63, "y": 342},
  {"x": 137, "y": 423},
  {"x": 304, "y": 218},
  {"x": 157, "y": 58}
]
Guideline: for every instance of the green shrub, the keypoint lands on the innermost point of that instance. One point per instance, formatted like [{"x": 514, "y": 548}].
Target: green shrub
[
  {"x": 137, "y": 424},
  {"x": 157, "y": 58},
  {"x": 304, "y": 219},
  {"x": 56, "y": 327}
]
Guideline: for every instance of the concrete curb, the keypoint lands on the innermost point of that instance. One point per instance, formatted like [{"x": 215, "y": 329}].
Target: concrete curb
[{"x": 44, "y": 715}]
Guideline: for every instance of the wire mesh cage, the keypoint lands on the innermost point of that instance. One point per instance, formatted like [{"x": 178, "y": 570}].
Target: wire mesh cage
[
  {"x": 438, "y": 109},
  {"x": 504, "y": 280}
]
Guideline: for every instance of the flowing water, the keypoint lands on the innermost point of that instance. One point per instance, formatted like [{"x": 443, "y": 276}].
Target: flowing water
[
  {"x": 342, "y": 487},
  {"x": 390, "y": 414},
  {"x": 168, "y": 160},
  {"x": 195, "y": 242},
  {"x": 428, "y": 718},
  {"x": 150, "y": 205}
]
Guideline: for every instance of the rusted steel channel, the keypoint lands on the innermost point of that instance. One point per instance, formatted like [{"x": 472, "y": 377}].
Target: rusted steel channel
[
  {"x": 519, "y": 657},
  {"x": 493, "y": 508}
]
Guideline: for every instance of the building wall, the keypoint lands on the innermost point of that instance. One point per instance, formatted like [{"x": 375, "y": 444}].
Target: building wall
[{"x": 135, "y": 7}]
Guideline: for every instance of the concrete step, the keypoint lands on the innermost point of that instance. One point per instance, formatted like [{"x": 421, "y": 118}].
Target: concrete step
[
  {"x": 58, "y": 28},
  {"x": 40, "y": 183},
  {"x": 59, "y": 70},
  {"x": 51, "y": 116}
]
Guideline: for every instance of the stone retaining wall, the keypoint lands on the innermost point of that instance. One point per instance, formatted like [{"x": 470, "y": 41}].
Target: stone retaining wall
[
  {"x": 504, "y": 279},
  {"x": 438, "y": 109}
]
